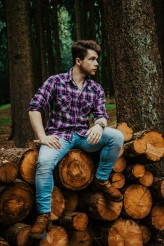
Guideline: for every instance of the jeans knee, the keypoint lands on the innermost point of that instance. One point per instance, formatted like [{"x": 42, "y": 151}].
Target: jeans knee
[
  {"x": 44, "y": 162},
  {"x": 115, "y": 136}
]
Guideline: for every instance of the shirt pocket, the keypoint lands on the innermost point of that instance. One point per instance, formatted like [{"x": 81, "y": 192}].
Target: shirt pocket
[
  {"x": 86, "y": 107},
  {"x": 63, "y": 103}
]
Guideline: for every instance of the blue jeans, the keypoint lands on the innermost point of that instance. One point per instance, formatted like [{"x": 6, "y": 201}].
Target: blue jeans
[{"x": 109, "y": 144}]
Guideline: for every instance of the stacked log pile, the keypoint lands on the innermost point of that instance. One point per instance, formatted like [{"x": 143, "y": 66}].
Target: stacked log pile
[{"x": 81, "y": 214}]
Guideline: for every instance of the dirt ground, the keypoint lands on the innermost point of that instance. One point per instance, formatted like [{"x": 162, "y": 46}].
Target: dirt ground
[{"x": 5, "y": 129}]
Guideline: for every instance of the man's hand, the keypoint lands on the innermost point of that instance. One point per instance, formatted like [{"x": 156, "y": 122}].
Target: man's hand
[
  {"x": 51, "y": 141},
  {"x": 95, "y": 134}
]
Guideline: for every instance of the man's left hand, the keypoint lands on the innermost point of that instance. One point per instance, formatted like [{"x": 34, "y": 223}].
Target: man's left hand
[{"x": 95, "y": 134}]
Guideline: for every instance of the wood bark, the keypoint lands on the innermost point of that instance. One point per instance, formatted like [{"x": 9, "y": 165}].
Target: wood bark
[{"x": 135, "y": 62}]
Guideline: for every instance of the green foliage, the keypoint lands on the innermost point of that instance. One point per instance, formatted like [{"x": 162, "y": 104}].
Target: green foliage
[{"x": 65, "y": 37}]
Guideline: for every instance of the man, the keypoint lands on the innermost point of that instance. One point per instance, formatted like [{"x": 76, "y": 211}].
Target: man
[{"x": 71, "y": 97}]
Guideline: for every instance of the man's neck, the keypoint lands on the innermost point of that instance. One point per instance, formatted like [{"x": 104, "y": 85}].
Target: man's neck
[{"x": 77, "y": 76}]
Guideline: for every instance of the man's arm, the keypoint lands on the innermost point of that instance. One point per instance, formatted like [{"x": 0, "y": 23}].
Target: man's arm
[{"x": 37, "y": 125}]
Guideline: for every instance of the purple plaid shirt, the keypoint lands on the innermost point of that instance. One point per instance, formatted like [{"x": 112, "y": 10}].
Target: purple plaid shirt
[{"x": 69, "y": 111}]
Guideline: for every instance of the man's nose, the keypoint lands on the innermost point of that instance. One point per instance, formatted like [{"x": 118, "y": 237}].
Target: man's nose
[{"x": 96, "y": 63}]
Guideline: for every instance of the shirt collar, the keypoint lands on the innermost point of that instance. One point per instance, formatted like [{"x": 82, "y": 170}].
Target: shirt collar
[{"x": 69, "y": 77}]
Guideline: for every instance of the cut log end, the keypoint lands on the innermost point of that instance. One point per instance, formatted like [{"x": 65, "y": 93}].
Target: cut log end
[
  {"x": 57, "y": 203},
  {"x": 137, "y": 201},
  {"x": 155, "y": 145},
  {"x": 8, "y": 171},
  {"x": 117, "y": 180},
  {"x": 126, "y": 131},
  {"x": 138, "y": 170},
  {"x": 80, "y": 221},
  {"x": 147, "y": 179},
  {"x": 28, "y": 165},
  {"x": 125, "y": 232},
  {"x": 57, "y": 236},
  {"x": 119, "y": 165},
  {"x": 76, "y": 170}
]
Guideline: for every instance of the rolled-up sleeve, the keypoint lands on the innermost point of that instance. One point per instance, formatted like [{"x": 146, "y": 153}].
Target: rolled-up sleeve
[
  {"x": 99, "y": 110},
  {"x": 43, "y": 96}
]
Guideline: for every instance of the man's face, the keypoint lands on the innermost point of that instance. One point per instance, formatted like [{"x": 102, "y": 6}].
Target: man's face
[{"x": 89, "y": 64}]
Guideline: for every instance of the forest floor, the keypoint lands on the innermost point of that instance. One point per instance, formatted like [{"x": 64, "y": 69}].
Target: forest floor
[{"x": 5, "y": 124}]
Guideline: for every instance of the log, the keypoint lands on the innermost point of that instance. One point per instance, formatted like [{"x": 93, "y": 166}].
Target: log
[
  {"x": 3, "y": 242},
  {"x": 146, "y": 233},
  {"x": 18, "y": 234},
  {"x": 16, "y": 201},
  {"x": 57, "y": 236},
  {"x": 137, "y": 201},
  {"x": 157, "y": 216},
  {"x": 134, "y": 148},
  {"x": 126, "y": 130},
  {"x": 119, "y": 165},
  {"x": 8, "y": 171},
  {"x": 80, "y": 238},
  {"x": 135, "y": 171},
  {"x": 150, "y": 143},
  {"x": 117, "y": 180},
  {"x": 121, "y": 232},
  {"x": 57, "y": 203},
  {"x": 71, "y": 200},
  {"x": 147, "y": 179},
  {"x": 74, "y": 220},
  {"x": 75, "y": 171},
  {"x": 99, "y": 207},
  {"x": 25, "y": 159}
]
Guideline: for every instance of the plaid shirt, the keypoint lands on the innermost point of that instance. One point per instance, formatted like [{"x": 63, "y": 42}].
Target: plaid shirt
[{"x": 69, "y": 110}]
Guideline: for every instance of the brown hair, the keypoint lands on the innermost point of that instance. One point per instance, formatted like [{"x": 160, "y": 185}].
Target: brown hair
[{"x": 80, "y": 47}]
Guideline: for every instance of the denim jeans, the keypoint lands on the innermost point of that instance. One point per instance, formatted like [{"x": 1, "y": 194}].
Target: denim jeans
[{"x": 109, "y": 146}]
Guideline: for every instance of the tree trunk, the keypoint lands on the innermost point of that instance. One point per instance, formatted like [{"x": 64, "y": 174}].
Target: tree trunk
[
  {"x": 136, "y": 64},
  {"x": 20, "y": 68}
]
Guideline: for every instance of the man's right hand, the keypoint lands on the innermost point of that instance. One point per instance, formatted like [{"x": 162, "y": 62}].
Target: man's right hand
[{"x": 51, "y": 141}]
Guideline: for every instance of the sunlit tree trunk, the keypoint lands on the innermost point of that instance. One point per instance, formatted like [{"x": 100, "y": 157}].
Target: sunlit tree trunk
[
  {"x": 20, "y": 67},
  {"x": 136, "y": 64}
]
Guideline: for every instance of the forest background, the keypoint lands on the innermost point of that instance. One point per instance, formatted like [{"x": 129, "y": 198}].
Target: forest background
[{"x": 35, "y": 42}]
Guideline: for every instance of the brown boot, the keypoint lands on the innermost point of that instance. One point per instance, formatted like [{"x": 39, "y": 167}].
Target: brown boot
[
  {"x": 42, "y": 224},
  {"x": 112, "y": 193}
]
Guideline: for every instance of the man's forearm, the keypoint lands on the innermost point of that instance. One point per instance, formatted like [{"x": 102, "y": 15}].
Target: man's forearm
[{"x": 37, "y": 123}]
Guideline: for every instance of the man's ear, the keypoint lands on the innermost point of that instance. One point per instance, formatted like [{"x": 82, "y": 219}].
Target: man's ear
[{"x": 78, "y": 61}]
